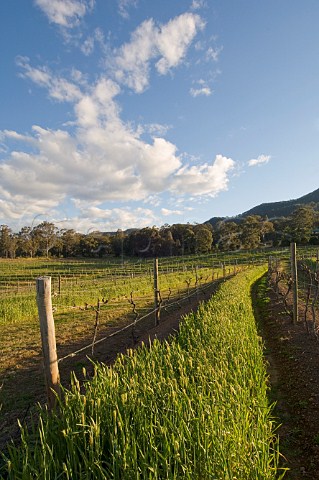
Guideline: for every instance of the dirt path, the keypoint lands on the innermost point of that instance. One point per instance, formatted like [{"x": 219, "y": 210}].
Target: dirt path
[{"x": 293, "y": 357}]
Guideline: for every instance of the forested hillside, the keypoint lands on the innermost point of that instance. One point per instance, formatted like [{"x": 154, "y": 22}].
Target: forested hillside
[{"x": 277, "y": 209}]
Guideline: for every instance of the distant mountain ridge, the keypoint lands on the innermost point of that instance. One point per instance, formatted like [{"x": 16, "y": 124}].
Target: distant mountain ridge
[{"x": 274, "y": 209}]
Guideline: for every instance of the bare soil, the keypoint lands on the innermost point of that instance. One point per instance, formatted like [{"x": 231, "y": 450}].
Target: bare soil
[{"x": 293, "y": 356}]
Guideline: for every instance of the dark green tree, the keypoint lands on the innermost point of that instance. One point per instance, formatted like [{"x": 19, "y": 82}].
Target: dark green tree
[
  {"x": 253, "y": 228},
  {"x": 118, "y": 243},
  {"x": 302, "y": 224},
  {"x": 8, "y": 242},
  {"x": 70, "y": 242},
  {"x": 228, "y": 236},
  {"x": 28, "y": 243},
  {"x": 46, "y": 235},
  {"x": 203, "y": 238}
]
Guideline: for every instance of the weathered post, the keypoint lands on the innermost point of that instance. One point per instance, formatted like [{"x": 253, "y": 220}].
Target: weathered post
[
  {"x": 47, "y": 328},
  {"x": 224, "y": 270},
  {"x": 294, "y": 275},
  {"x": 156, "y": 292}
]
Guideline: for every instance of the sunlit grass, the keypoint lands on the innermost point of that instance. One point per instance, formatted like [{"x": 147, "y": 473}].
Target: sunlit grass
[{"x": 80, "y": 282}]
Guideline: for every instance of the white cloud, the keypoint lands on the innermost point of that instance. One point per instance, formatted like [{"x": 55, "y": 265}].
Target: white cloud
[
  {"x": 10, "y": 134},
  {"x": 262, "y": 159},
  {"x": 168, "y": 42},
  {"x": 124, "y": 6},
  {"x": 203, "y": 180},
  {"x": 105, "y": 161},
  {"x": 166, "y": 212},
  {"x": 195, "y": 92},
  {"x": 59, "y": 88},
  {"x": 153, "y": 200},
  {"x": 213, "y": 53},
  {"x": 158, "y": 129},
  {"x": 88, "y": 45},
  {"x": 105, "y": 219},
  {"x": 197, "y": 4},
  {"x": 65, "y": 13},
  {"x": 102, "y": 158},
  {"x": 201, "y": 89},
  {"x": 19, "y": 210},
  {"x": 132, "y": 59},
  {"x": 174, "y": 39}
]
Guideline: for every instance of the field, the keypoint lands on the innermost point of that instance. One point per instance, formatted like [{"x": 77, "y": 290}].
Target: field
[
  {"x": 125, "y": 291},
  {"x": 143, "y": 418},
  {"x": 123, "y": 294}
]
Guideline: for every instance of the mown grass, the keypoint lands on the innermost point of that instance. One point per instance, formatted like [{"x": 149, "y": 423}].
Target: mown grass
[{"x": 192, "y": 408}]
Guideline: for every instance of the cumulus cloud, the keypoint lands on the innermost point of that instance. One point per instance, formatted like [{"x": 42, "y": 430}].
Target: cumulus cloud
[
  {"x": 101, "y": 158},
  {"x": 58, "y": 88},
  {"x": 20, "y": 209},
  {"x": 203, "y": 180},
  {"x": 261, "y": 160},
  {"x": 174, "y": 39},
  {"x": 132, "y": 59},
  {"x": 11, "y": 134},
  {"x": 93, "y": 217},
  {"x": 168, "y": 43},
  {"x": 103, "y": 161},
  {"x": 65, "y": 13}
]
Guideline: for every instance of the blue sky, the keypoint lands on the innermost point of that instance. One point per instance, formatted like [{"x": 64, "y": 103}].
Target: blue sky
[{"x": 131, "y": 113}]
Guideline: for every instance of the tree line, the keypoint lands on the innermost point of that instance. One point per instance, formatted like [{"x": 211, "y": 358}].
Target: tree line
[{"x": 249, "y": 232}]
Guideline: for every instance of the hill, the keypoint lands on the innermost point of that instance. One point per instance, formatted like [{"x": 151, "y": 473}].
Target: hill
[{"x": 275, "y": 209}]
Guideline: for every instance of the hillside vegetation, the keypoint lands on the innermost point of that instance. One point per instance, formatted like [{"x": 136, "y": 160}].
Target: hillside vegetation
[
  {"x": 193, "y": 408},
  {"x": 277, "y": 209}
]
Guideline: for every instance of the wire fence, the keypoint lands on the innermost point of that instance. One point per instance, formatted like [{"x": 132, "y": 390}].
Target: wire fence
[
  {"x": 306, "y": 283},
  {"x": 47, "y": 328},
  {"x": 164, "y": 305},
  {"x": 95, "y": 304}
]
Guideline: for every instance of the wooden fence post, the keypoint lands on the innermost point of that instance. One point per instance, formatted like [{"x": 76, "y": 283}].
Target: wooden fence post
[
  {"x": 156, "y": 292},
  {"x": 224, "y": 270},
  {"x": 294, "y": 275},
  {"x": 50, "y": 358}
]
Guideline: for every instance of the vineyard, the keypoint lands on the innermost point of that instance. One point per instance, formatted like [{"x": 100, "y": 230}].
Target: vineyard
[{"x": 142, "y": 418}]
